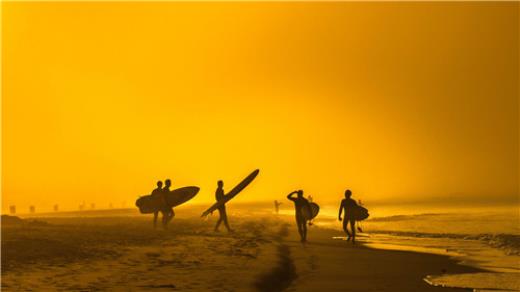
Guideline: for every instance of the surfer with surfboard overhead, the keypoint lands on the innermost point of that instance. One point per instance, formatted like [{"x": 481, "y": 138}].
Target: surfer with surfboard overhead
[
  {"x": 220, "y": 196},
  {"x": 301, "y": 207},
  {"x": 349, "y": 205},
  {"x": 222, "y": 199}
]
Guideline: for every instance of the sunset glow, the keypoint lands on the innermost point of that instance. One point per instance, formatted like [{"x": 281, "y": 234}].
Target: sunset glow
[{"x": 101, "y": 100}]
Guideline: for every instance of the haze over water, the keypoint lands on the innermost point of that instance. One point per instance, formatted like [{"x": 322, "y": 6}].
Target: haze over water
[{"x": 397, "y": 101}]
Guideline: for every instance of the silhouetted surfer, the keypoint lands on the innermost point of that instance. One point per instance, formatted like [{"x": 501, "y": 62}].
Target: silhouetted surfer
[
  {"x": 158, "y": 197},
  {"x": 277, "y": 206},
  {"x": 348, "y": 204},
  {"x": 167, "y": 211},
  {"x": 219, "y": 195},
  {"x": 299, "y": 204}
]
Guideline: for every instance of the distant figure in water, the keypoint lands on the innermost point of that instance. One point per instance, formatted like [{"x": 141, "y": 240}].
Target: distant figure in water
[
  {"x": 167, "y": 211},
  {"x": 299, "y": 204},
  {"x": 348, "y": 204},
  {"x": 219, "y": 195},
  {"x": 277, "y": 206},
  {"x": 158, "y": 196}
]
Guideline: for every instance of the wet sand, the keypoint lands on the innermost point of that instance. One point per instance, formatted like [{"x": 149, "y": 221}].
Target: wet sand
[{"x": 125, "y": 253}]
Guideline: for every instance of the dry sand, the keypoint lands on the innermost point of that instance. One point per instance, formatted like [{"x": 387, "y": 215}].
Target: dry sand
[{"x": 125, "y": 253}]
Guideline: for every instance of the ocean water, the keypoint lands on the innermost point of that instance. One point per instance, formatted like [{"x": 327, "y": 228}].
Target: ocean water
[{"x": 488, "y": 238}]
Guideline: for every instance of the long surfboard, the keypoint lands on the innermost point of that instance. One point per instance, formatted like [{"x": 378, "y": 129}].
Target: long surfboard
[
  {"x": 231, "y": 194},
  {"x": 147, "y": 204}
]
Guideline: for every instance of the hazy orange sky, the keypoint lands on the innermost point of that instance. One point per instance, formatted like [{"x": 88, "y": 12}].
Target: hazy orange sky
[{"x": 397, "y": 101}]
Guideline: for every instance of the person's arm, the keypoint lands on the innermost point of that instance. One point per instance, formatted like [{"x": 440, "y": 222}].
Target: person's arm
[
  {"x": 340, "y": 210},
  {"x": 289, "y": 196}
]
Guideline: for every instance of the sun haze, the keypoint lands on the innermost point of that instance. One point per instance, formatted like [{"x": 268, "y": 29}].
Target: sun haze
[{"x": 397, "y": 101}]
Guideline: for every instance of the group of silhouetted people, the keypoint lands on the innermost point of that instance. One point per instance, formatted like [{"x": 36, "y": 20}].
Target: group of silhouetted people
[
  {"x": 302, "y": 205},
  {"x": 159, "y": 196}
]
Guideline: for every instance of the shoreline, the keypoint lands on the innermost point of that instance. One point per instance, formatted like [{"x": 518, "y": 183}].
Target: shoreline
[
  {"x": 263, "y": 254},
  {"x": 333, "y": 265}
]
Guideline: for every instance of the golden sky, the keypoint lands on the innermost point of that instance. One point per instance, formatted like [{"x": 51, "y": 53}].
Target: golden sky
[{"x": 396, "y": 101}]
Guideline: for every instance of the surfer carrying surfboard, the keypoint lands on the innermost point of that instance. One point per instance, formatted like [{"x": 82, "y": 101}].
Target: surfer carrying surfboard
[
  {"x": 223, "y": 199},
  {"x": 277, "y": 206},
  {"x": 158, "y": 196},
  {"x": 219, "y": 196},
  {"x": 167, "y": 211},
  {"x": 349, "y": 205},
  {"x": 301, "y": 206},
  {"x": 164, "y": 200}
]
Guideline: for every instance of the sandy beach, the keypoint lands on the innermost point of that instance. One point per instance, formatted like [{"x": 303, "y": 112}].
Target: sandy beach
[{"x": 125, "y": 253}]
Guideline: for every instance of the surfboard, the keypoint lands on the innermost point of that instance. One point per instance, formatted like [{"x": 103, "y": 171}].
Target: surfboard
[
  {"x": 358, "y": 213},
  {"x": 175, "y": 198},
  {"x": 312, "y": 213},
  {"x": 231, "y": 194}
]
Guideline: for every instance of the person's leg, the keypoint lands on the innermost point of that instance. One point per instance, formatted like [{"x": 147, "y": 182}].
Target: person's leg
[
  {"x": 219, "y": 219},
  {"x": 353, "y": 228},
  {"x": 171, "y": 215},
  {"x": 155, "y": 214},
  {"x": 218, "y": 224},
  {"x": 300, "y": 229},
  {"x": 304, "y": 227},
  {"x": 165, "y": 218},
  {"x": 345, "y": 228},
  {"x": 225, "y": 219}
]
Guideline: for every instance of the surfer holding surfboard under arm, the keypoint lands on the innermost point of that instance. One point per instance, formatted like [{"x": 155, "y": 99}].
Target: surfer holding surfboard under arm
[
  {"x": 353, "y": 213},
  {"x": 301, "y": 207},
  {"x": 168, "y": 212}
]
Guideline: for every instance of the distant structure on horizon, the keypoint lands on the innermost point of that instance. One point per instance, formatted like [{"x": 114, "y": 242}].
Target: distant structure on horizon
[
  {"x": 32, "y": 209},
  {"x": 56, "y": 208},
  {"x": 12, "y": 209},
  {"x": 110, "y": 206},
  {"x": 92, "y": 206},
  {"x": 82, "y": 206}
]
